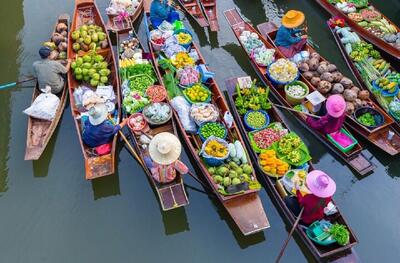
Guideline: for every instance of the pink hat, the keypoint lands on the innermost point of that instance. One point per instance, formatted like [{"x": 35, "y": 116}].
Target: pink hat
[
  {"x": 335, "y": 106},
  {"x": 320, "y": 184}
]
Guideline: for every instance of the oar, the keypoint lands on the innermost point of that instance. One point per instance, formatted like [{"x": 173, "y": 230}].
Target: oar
[
  {"x": 293, "y": 110},
  {"x": 289, "y": 236},
  {"x": 12, "y": 84}
]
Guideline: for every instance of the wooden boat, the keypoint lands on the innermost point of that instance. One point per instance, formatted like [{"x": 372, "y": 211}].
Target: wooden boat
[
  {"x": 210, "y": 10},
  {"x": 361, "y": 81},
  {"x": 95, "y": 166},
  {"x": 378, "y": 42},
  {"x": 171, "y": 195},
  {"x": 354, "y": 158},
  {"x": 39, "y": 132},
  {"x": 193, "y": 8},
  {"x": 377, "y": 136},
  {"x": 245, "y": 208},
  {"x": 318, "y": 251},
  {"x": 116, "y": 26}
]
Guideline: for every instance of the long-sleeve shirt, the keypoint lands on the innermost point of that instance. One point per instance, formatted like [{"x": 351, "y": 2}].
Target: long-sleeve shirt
[
  {"x": 159, "y": 10},
  {"x": 286, "y": 37},
  {"x": 48, "y": 73},
  {"x": 326, "y": 124},
  {"x": 103, "y": 133},
  {"x": 313, "y": 207}
]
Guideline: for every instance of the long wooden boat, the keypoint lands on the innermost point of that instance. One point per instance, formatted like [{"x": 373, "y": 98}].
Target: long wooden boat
[
  {"x": 124, "y": 26},
  {"x": 318, "y": 251},
  {"x": 363, "y": 82},
  {"x": 39, "y": 132},
  {"x": 210, "y": 10},
  {"x": 245, "y": 208},
  {"x": 173, "y": 194},
  {"x": 354, "y": 158},
  {"x": 95, "y": 166},
  {"x": 377, "y": 136},
  {"x": 193, "y": 8},
  {"x": 380, "y": 43}
]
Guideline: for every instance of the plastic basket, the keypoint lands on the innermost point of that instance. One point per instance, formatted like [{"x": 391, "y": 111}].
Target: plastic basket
[
  {"x": 276, "y": 82},
  {"x": 221, "y": 125},
  {"x": 348, "y": 148},
  {"x": 296, "y": 100},
  {"x": 157, "y": 123},
  {"x": 379, "y": 119},
  {"x": 186, "y": 46},
  {"x": 317, "y": 234},
  {"x": 251, "y": 128}
]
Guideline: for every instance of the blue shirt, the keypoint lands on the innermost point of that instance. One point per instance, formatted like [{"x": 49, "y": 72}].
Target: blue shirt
[
  {"x": 285, "y": 37},
  {"x": 160, "y": 10},
  {"x": 103, "y": 133}
]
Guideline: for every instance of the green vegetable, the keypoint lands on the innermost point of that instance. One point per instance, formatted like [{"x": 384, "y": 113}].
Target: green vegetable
[
  {"x": 256, "y": 119},
  {"x": 212, "y": 129},
  {"x": 253, "y": 98},
  {"x": 367, "y": 119},
  {"x": 340, "y": 234}
]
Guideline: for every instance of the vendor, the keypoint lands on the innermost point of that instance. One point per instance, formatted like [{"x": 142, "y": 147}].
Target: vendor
[
  {"x": 332, "y": 121},
  {"x": 286, "y": 38},
  {"x": 165, "y": 150},
  {"x": 50, "y": 72},
  {"x": 161, "y": 10},
  {"x": 322, "y": 188},
  {"x": 97, "y": 129}
]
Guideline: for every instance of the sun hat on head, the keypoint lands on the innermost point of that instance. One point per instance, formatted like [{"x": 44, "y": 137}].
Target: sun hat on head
[
  {"x": 293, "y": 18},
  {"x": 90, "y": 99},
  {"x": 320, "y": 184},
  {"x": 336, "y": 105},
  {"x": 165, "y": 148},
  {"x": 97, "y": 114},
  {"x": 44, "y": 52}
]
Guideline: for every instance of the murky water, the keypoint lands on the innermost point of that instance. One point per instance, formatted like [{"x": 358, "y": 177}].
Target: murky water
[{"x": 49, "y": 213}]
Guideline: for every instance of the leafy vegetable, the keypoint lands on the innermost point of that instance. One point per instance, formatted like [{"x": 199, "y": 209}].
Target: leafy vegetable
[
  {"x": 367, "y": 119},
  {"x": 340, "y": 234},
  {"x": 253, "y": 98},
  {"x": 359, "y": 3}
]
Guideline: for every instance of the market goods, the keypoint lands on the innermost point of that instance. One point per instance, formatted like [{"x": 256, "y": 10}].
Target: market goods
[
  {"x": 181, "y": 60},
  {"x": 142, "y": 69},
  {"x": 188, "y": 76},
  {"x": 250, "y": 41},
  {"x": 119, "y": 6},
  {"x": 256, "y": 119},
  {"x": 183, "y": 38},
  {"x": 363, "y": 50},
  {"x": 296, "y": 91},
  {"x": 288, "y": 144},
  {"x": 140, "y": 82},
  {"x": 129, "y": 48},
  {"x": 157, "y": 113},
  {"x": 283, "y": 70},
  {"x": 197, "y": 93},
  {"x": 367, "y": 119},
  {"x": 134, "y": 102},
  {"x": 394, "y": 108},
  {"x": 156, "y": 93},
  {"x": 204, "y": 112},
  {"x": 271, "y": 164},
  {"x": 216, "y": 149},
  {"x": 231, "y": 174},
  {"x": 263, "y": 56},
  {"x": 137, "y": 122},
  {"x": 340, "y": 234},
  {"x": 212, "y": 129},
  {"x": 386, "y": 84},
  {"x": 253, "y": 98},
  {"x": 92, "y": 69},
  {"x": 265, "y": 138},
  {"x": 89, "y": 37}
]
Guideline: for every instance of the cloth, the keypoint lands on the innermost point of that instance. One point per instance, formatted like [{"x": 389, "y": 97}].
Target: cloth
[
  {"x": 293, "y": 205},
  {"x": 294, "y": 49},
  {"x": 326, "y": 124},
  {"x": 48, "y": 73},
  {"x": 94, "y": 136},
  {"x": 167, "y": 173},
  {"x": 313, "y": 207},
  {"x": 162, "y": 11},
  {"x": 286, "y": 37}
]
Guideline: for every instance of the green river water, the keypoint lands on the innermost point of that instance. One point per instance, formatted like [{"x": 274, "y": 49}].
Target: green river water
[{"x": 50, "y": 213}]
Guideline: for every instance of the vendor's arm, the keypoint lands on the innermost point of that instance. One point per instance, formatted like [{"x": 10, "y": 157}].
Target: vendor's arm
[
  {"x": 62, "y": 69},
  {"x": 317, "y": 124}
]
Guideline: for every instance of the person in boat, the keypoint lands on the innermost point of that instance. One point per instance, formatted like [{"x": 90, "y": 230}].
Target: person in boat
[
  {"x": 334, "y": 118},
  {"x": 164, "y": 150},
  {"x": 50, "y": 72},
  {"x": 322, "y": 188},
  {"x": 161, "y": 10},
  {"x": 286, "y": 38},
  {"x": 97, "y": 129}
]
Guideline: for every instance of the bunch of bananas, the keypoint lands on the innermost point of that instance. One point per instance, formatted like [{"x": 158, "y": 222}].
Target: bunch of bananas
[{"x": 126, "y": 62}]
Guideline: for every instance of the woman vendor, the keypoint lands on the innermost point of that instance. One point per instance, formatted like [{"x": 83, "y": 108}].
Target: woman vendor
[
  {"x": 322, "y": 188},
  {"x": 164, "y": 150},
  {"x": 161, "y": 10},
  {"x": 286, "y": 38},
  {"x": 332, "y": 122}
]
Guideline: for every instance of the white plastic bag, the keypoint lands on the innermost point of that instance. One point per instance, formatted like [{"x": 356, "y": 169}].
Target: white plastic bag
[
  {"x": 182, "y": 107},
  {"x": 44, "y": 107},
  {"x": 106, "y": 92}
]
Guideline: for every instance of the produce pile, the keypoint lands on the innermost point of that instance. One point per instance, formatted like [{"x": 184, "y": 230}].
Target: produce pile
[
  {"x": 263, "y": 139},
  {"x": 296, "y": 91},
  {"x": 183, "y": 38},
  {"x": 117, "y": 7},
  {"x": 134, "y": 102},
  {"x": 89, "y": 37},
  {"x": 137, "y": 122},
  {"x": 283, "y": 71},
  {"x": 256, "y": 119},
  {"x": 386, "y": 84},
  {"x": 340, "y": 233},
  {"x": 58, "y": 43},
  {"x": 253, "y": 98},
  {"x": 156, "y": 93},
  {"x": 197, "y": 93},
  {"x": 212, "y": 129},
  {"x": 271, "y": 164},
  {"x": 181, "y": 60},
  {"x": 367, "y": 119},
  {"x": 204, "y": 112},
  {"x": 157, "y": 112},
  {"x": 92, "y": 69},
  {"x": 263, "y": 56},
  {"x": 250, "y": 41},
  {"x": 231, "y": 174},
  {"x": 188, "y": 76}
]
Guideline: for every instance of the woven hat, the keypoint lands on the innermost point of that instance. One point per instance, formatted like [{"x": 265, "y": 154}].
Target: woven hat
[
  {"x": 320, "y": 184},
  {"x": 293, "y": 18},
  {"x": 90, "y": 99},
  {"x": 336, "y": 105},
  {"x": 165, "y": 148},
  {"x": 98, "y": 113}
]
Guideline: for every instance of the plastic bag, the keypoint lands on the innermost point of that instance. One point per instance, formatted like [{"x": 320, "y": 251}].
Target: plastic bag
[
  {"x": 213, "y": 138},
  {"x": 182, "y": 107},
  {"x": 228, "y": 118},
  {"x": 106, "y": 92},
  {"x": 44, "y": 107}
]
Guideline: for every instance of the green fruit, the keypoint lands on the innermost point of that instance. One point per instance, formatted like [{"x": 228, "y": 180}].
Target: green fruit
[
  {"x": 245, "y": 178},
  {"x": 76, "y": 47},
  {"x": 73, "y": 65},
  {"x": 103, "y": 79},
  {"x": 86, "y": 78},
  {"x": 84, "y": 28},
  {"x": 218, "y": 179},
  {"x": 75, "y": 35},
  {"x": 96, "y": 76},
  {"x": 103, "y": 65},
  {"x": 78, "y": 71},
  {"x": 95, "y": 37},
  {"x": 78, "y": 77},
  {"x": 87, "y": 40},
  {"x": 108, "y": 72},
  {"x": 94, "y": 82},
  {"x": 236, "y": 160},
  {"x": 99, "y": 29},
  {"x": 227, "y": 181},
  {"x": 247, "y": 169},
  {"x": 239, "y": 171},
  {"x": 99, "y": 58},
  {"x": 233, "y": 165},
  {"x": 223, "y": 171},
  {"x": 79, "y": 61},
  {"x": 85, "y": 72},
  {"x": 104, "y": 72},
  {"x": 235, "y": 181},
  {"x": 87, "y": 58},
  {"x": 80, "y": 40},
  {"x": 91, "y": 72},
  {"x": 86, "y": 65},
  {"x": 91, "y": 27},
  {"x": 211, "y": 170},
  {"x": 102, "y": 36},
  {"x": 91, "y": 31},
  {"x": 232, "y": 174},
  {"x": 62, "y": 55},
  {"x": 92, "y": 46},
  {"x": 84, "y": 34}
]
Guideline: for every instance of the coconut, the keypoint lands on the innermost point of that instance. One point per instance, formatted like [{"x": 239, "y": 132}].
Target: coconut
[{"x": 61, "y": 27}]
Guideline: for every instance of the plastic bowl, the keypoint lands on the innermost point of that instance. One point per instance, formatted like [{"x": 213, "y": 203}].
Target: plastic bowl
[
  {"x": 203, "y": 139},
  {"x": 143, "y": 127},
  {"x": 161, "y": 89},
  {"x": 296, "y": 100},
  {"x": 379, "y": 119},
  {"x": 148, "y": 120},
  {"x": 251, "y": 128},
  {"x": 186, "y": 46},
  {"x": 277, "y": 82},
  {"x": 193, "y": 102}
]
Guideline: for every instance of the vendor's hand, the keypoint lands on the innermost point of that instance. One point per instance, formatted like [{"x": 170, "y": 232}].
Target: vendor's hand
[
  {"x": 304, "y": 36},
  {"x": 123, "y": 123}
]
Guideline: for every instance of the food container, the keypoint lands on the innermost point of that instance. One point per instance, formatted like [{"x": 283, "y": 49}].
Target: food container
[
  {"x": 211, "y": 160},
  {"x": 315, "y": 100},
  {"x": 138, "y": 129},
  {"x": 337, "y": 144},
  {"x": 193, "y": 102},
  {"x": 186, "y": 46},
  {"x": 220, "y": 124},
  {"x": 251, "y": 128},
  {"x": 296, "y": 100},
  {"x": 379, "y": 119},
  {"x": 160, "y": 90},
  {"x": 151, "y": 122}
]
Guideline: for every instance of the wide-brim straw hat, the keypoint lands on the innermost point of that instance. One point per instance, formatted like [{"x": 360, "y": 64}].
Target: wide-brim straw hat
[
  {"x": 320, "y": 184},
  {"x": 165, "y": 148},
  {"x": 97, "y": 114},
  {"x": 293, "y": 18}
]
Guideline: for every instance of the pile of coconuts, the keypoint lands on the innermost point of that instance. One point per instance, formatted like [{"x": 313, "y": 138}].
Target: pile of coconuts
[
  {"x": 328, "y": 81},
  {"x": 58, "y": 43}
]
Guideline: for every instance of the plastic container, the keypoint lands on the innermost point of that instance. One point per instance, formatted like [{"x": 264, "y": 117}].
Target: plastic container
[
  {"x": 389, "y": 96},
  {"x": 317, "y": 233},
  {"x": 220, "y": 124},
  {"x": 251, "y": 128},
  {"x": 344, "y": 149},
  {"x": 186, "y": 46},
  {"x": 379, "y": 119},
  {"x": 375, "y": 86},
  {"x": 276, "y": 82},
  {"x": 210, "y": 160},
  {"x": 148, "y": 120},
  {"x": 144, "y": 128},
  {"x": 193, "y": 102},
  {"x": 296, "y": 100}
]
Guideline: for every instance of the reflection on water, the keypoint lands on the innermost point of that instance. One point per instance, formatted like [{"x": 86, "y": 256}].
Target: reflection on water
[
  {"x": 106, "y": 186},
  {"x": 175, "y": 221}
]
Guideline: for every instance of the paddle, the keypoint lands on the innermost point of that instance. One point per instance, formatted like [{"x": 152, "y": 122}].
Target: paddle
[
  {"x": 293, "y": 110},
  {"x": 289, "y": 236},
  {"x": 12, "y": 84}
]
